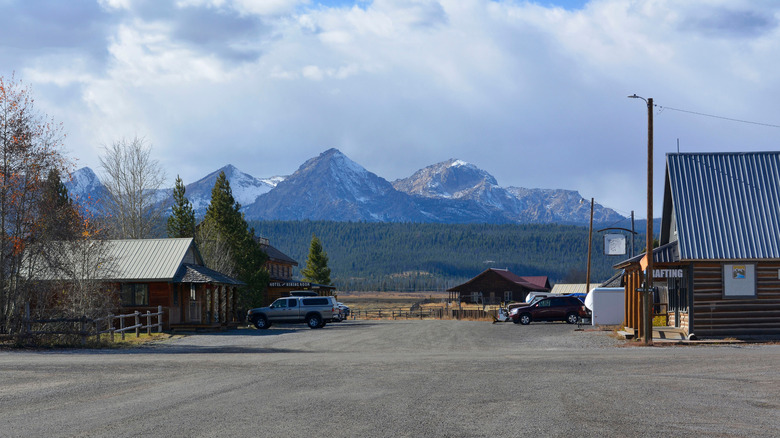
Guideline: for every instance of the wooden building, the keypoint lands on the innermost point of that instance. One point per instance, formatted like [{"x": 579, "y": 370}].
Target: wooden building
[
  {"x": 280, "y": 269},
  {"x": 147, "y": 273},
  {"x": 495, "y": 286},
  {"x": 279, "y": 265},
  {"x": 717, "y": 268}
]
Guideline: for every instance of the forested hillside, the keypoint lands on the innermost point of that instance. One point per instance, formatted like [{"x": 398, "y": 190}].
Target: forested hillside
[{"x": 406, "y": 256}]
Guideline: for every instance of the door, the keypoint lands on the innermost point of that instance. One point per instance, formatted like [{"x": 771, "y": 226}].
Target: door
[
  {"x": 543, "y": 310},
  {"x": 284, "y": 309},
  {"x": 194, "y": 308}
]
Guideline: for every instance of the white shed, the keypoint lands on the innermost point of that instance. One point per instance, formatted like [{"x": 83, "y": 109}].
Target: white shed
[{"x": 606, "y": 304}]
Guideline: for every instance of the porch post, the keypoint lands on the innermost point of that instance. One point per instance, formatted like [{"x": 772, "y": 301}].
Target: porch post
[
  {"x": 215, "y": 310},
  {"x": 223, "y": 304}
]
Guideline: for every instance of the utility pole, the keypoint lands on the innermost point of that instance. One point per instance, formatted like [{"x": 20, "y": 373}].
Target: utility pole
[
  {"x": 590, "y": 242},
  {"x": 648, "y": 323},
  {"x": 647, "y": 291}
]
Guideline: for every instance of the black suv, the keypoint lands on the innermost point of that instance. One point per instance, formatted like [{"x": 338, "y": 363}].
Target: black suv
[{"x": 568, "y": 309}]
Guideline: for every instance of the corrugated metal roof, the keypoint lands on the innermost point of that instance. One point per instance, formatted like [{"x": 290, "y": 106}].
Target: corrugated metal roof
[
  {"x": 570, "y": 288},
  {"x": 669, "y": 253},
  {"x": 146, "y": 259},
  {"x": 726, "y": 205}
]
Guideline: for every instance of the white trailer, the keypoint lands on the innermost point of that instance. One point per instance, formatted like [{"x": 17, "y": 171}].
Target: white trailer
[{"x": 607, "y": 305}]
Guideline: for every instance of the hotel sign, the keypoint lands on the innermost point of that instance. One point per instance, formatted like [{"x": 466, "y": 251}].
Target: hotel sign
[{"x": 289, "y": 284}]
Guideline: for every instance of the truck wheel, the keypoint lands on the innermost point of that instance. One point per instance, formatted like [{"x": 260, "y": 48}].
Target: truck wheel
[
  {"x": 261, "y": 322},
  {"x": 314, "y": 321},
  {"x": 525, "y": 319}
]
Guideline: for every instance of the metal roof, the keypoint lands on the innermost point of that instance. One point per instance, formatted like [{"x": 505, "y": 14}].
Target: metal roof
[
  {"x": 531, "y": 283},
  {"x": 668, "y": 253},
  {"x": 569, "y": 288},
  {"x": 147, "y": 259},
  {"x": 725, "y": 205},
  {"x": 276, "y": 255}
]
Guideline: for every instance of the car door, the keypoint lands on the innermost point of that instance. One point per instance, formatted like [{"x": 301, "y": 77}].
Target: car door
[
  {"x": 558, "y": 309},
  {"x": 280, "y": 310},
  {"x": 542, "y": 310}
]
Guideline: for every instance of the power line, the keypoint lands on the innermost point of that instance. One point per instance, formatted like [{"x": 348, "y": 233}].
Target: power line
[{"x": 718, "y": 117}]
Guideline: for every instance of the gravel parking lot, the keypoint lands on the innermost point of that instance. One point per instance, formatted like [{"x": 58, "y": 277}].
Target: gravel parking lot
[{"x": 394, "y": 378}]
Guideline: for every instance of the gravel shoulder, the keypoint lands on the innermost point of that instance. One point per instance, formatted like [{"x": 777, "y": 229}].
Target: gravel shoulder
[{"x": 394, "y": 378}]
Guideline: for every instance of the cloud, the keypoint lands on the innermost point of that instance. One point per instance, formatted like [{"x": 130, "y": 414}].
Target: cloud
[{"x": 534, "y": 94}]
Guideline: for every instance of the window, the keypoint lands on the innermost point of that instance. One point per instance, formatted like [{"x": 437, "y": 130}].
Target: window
[
  {"x": 292, "y": 302},
  {"x": 135, "y": 294},
  {"x": 314, "y": 302}
]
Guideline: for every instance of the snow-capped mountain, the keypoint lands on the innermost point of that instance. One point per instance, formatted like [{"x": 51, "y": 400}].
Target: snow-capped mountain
[
  {"x": 245, "y": 188},
  {"x": 449, "y": 179},
  {"x": 333, "y": 187},
  {"x": 456, "y": 179},
  {"x": 86, "y": 190}
]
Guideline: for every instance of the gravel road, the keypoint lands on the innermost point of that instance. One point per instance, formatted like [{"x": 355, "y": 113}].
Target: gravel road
[{"x": 394, "y": 379}]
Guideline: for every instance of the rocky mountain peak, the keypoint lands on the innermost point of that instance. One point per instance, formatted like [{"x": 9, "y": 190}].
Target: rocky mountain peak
[{"x": 449, "y": 179}]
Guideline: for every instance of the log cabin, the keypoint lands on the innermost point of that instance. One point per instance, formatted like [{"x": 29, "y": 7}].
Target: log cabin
[
  {"x": 717, "y": 268},
  {"x": 147, "y": 273}
]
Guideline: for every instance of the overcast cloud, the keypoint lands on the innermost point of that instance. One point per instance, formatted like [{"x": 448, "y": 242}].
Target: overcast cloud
[{"x": 534, "y": 93}]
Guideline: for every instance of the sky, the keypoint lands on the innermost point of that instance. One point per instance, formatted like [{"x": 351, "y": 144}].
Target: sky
[{"x": 533, "y": 92}]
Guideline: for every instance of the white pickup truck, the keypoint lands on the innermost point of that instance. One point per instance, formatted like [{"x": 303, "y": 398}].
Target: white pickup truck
[{"x": 314, "y": 311}]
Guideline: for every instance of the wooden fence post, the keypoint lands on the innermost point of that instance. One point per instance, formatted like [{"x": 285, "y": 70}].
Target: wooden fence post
[
  {"x": 137, "y": 315},
  {"x": 84, "y": 330},
  {"x": 159, "y": 319},
  {"x": 122, "y": 325},
  {"x": 148, "y": 323},
  {"x": 111, "y": 326},
  {"x": 27, "y": 327}
]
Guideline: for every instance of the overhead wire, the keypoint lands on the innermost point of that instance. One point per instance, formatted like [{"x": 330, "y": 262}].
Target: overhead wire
[{"x": 770, "y": 125}]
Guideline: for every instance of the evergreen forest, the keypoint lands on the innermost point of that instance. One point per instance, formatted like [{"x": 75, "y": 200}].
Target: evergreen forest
[{"x": 429, "y": 257}]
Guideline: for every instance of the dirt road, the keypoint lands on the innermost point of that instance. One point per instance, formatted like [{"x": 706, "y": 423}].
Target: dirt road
[{"x": 394, "y": 379}]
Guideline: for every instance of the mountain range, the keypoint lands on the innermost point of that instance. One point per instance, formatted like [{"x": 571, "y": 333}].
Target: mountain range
[{"x": 333, "y": 187}]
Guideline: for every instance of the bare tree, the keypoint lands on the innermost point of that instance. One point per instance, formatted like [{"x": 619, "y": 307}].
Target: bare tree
[
  {"x": 133, "y": 181},
  {"x": 215, "y": 248}
]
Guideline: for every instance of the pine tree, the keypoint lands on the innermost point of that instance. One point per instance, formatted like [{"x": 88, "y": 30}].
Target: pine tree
[
  {"x": 224, "y": 217},
  {"x": 59, "y": 219},
  {"x": 181, "y": 222},
  {"x": 317, "y": 270}
]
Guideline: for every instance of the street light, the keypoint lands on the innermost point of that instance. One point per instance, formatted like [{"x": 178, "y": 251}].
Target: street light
[{"x": 647, "y": 326}]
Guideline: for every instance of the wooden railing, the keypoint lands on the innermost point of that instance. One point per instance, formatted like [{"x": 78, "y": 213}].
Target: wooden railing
[
  {"x": 437, "y": 313},
  {"x": 87, "y": 327}
]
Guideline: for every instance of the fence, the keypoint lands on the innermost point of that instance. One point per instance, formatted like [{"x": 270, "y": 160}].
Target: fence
[
  {"x": 86, "y": 327},
  {"x": 436, "y": 313}
]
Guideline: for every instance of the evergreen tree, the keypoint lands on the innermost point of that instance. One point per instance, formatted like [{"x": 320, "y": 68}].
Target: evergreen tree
[
  {"x": 317, "y": 270},
  {"x": 223, "y": 216},
  {"x": 181, "y": 222},
  {"x": 59, "y": 219}
]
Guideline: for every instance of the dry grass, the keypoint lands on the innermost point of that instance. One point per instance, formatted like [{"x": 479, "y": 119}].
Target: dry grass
[
  {"x": 397, "y": 302},
  {"x": 370, "y": 301},
  {"x": 75, "y": 341}
]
